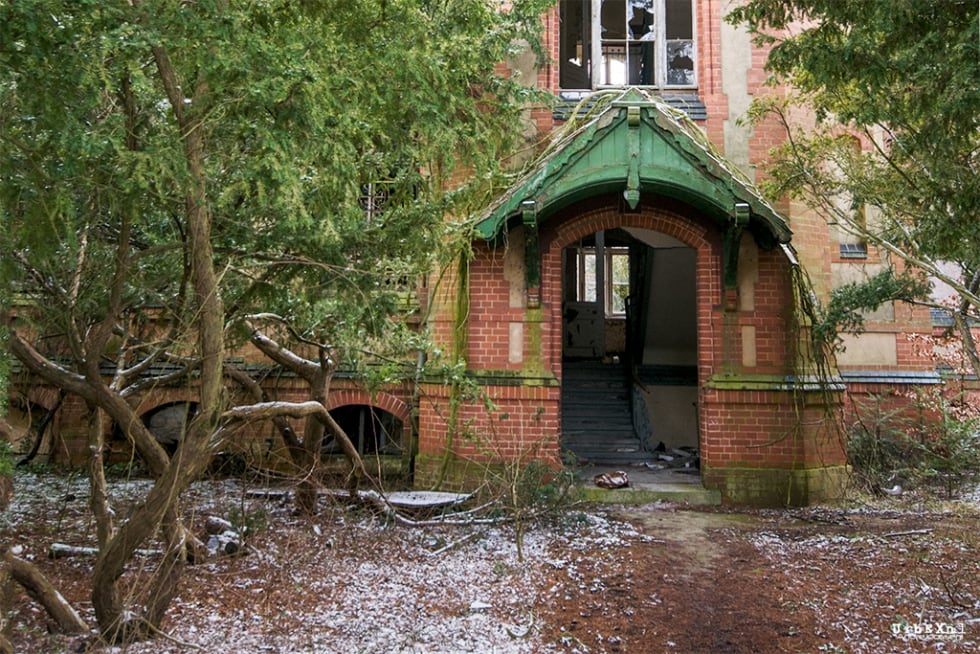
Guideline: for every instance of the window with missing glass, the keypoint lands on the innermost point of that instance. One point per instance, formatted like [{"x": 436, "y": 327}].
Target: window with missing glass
[
  {"x": 615, "y": 43},
  {"x": 615, "y": 278}
]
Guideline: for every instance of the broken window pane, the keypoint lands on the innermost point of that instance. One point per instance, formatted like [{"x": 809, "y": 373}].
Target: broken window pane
[
  {"x": 575, "y": 42},
  {"x": 637, "y": 42},
  {"x": 680, "y": 43},
  {"x": 613, "y": 20},
  {"x": 680, "y": 63},
  {"x": 641, "y": 19}
]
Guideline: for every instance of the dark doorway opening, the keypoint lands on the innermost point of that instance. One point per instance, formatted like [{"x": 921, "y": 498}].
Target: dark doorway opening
[
  {"x": 372, "y": 430},
  {"x": 629, "y": 335}
]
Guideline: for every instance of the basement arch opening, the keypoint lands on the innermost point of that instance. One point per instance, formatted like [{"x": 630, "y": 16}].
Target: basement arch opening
[
  {"x": 372, "y": 430},
  {"x": 168, "y": 423},
  {"x": 31, "y": 428}
]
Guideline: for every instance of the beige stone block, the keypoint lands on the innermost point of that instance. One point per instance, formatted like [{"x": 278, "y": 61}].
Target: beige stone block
[
  {"x": 748, "y": 273},
  {"x": 868, "y": 350},
  {"x": 855, "y": 273},
  {"x": 515, "y": 349},
  {"x": 515, "y": 270},
  {"x": 749, "y": 357}
]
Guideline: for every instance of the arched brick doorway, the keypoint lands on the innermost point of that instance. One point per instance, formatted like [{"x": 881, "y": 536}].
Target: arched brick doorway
[
  {"x": 629, "y": 339},
  {"x": 765, "y": 428}
]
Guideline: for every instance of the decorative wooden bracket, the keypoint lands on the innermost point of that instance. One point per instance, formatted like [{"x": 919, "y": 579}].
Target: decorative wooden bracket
[
  {"x": 737, "y": 223},
  {"x": 532, "y": 257},
  {"x": 632, "y": 192}
]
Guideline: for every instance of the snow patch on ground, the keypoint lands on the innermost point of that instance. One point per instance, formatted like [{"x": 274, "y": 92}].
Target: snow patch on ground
[{"x": 346, "y": 580}]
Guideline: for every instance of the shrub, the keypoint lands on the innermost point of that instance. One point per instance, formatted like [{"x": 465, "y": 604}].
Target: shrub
[
  {"x": 6, "y": 459},
  {"x": 936, "y": 445}
]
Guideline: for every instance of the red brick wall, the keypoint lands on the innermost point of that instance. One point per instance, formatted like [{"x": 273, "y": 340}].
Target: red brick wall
[
  {"x": 523, "y": 425},
  {"x": 739, "y": 428},
  {"x": 770, "y": 429},
  {"x": 70, "y": 427}
]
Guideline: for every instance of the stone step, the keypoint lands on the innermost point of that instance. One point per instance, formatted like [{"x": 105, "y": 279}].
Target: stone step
[
  {"x": 598, "y": 426},
  {"x": 596, "y": 423}
]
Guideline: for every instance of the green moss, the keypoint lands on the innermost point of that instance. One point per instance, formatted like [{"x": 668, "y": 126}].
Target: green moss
[
  {"x": 774, "y": 487},
  {"x": 533, "y": 320}
]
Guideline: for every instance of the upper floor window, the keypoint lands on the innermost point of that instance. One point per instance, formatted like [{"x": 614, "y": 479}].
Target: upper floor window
[{"x": 611, "y": 43}]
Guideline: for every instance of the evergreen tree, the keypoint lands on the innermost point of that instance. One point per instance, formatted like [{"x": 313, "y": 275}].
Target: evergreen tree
[
  {"x": 170, "y": 168},
  {"x": 895, "y": 87}
]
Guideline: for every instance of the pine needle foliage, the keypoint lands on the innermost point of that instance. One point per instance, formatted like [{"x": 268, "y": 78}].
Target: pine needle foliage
[
  {"x": 893, "y": 157},
  {"x": 303, "y": 106}
]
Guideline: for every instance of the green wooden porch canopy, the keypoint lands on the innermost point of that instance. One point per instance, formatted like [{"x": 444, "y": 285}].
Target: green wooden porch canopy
[{"x": 634, "y": 145}]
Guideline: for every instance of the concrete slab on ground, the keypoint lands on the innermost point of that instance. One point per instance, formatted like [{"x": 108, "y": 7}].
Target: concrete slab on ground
[{"x": 646, "y": 486}]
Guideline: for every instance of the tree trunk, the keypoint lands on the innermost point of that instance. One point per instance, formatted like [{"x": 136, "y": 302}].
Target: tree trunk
[
  {"x": 42, "y": 428},
  {"x": 194, "y": 451},
  {"x": 966, "y": 337},
  {"x": 167, "y": 575},
  {"x": 962, "y": 320},
  {"x": 6, "y": 492},
  {"x": 293, "y": 444},
  {"x": 309, "y": 485},
  {"x": 99, "y": 500},
  {"x": 306, "y": 455},
  {"x": 188, "y": 463}
]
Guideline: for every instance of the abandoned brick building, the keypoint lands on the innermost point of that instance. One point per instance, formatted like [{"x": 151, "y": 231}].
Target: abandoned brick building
[{"x": 635, "y": 255}]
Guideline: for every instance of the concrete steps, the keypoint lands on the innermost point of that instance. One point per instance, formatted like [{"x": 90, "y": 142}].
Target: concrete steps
[{"x": 597, "y": 427}]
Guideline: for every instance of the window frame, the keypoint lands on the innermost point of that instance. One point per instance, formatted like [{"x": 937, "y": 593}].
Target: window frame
[
  {"x": 596, "y": 61},
  {"x": 611, "y": 253},
  {"x": 586, "y": 284}
]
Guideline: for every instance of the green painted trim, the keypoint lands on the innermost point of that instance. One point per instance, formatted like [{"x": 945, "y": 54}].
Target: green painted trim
[
  {"x": 772, "y": 382},
  {"x": 634, "y": 145},
  {"x": 731, "y": 244},
  {"x": 532, "y": 256},
  {"x": 502, "y": 378}
]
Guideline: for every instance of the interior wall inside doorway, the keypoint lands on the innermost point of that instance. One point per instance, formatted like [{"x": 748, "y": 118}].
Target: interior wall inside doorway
[
  {"x": 657, "y": 324},
  {"x": 671, "y": 327},
  {"x": 668, "y": 361}
]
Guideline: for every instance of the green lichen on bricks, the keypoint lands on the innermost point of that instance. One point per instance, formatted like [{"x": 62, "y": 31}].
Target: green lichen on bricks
[{"x": 775, "y": 487}]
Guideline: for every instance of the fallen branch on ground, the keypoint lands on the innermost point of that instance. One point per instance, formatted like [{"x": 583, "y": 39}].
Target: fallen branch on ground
[
  {"x": 44, "y": 592},
  {"x": 64, "y": 551},
  {"x": 454, "y": 544},
  {"x": 913, "y": 532}
]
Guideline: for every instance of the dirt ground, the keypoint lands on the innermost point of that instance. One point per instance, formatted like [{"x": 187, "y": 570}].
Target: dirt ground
[
  {"x": 894, "y": 575},
  {"x": 779, "y": 581}
]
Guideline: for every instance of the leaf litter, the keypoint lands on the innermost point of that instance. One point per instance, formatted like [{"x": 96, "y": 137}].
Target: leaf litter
[{"x": 655, "y": 578}]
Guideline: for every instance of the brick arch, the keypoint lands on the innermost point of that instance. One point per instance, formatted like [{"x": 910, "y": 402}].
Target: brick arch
[
  {"x": 36, "y": 408},
  {"x": 41, "y": 397},
  {"x": 384, "y": 401},
  {"x": 664, "y": 221},
  {"x": 162, "y": 403},
  {"x": 23, "y": 401},
  {"x": 570, "y": 227},
  {"x": 161, "y": 398},
  {"x": 702, "y": 237}
]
